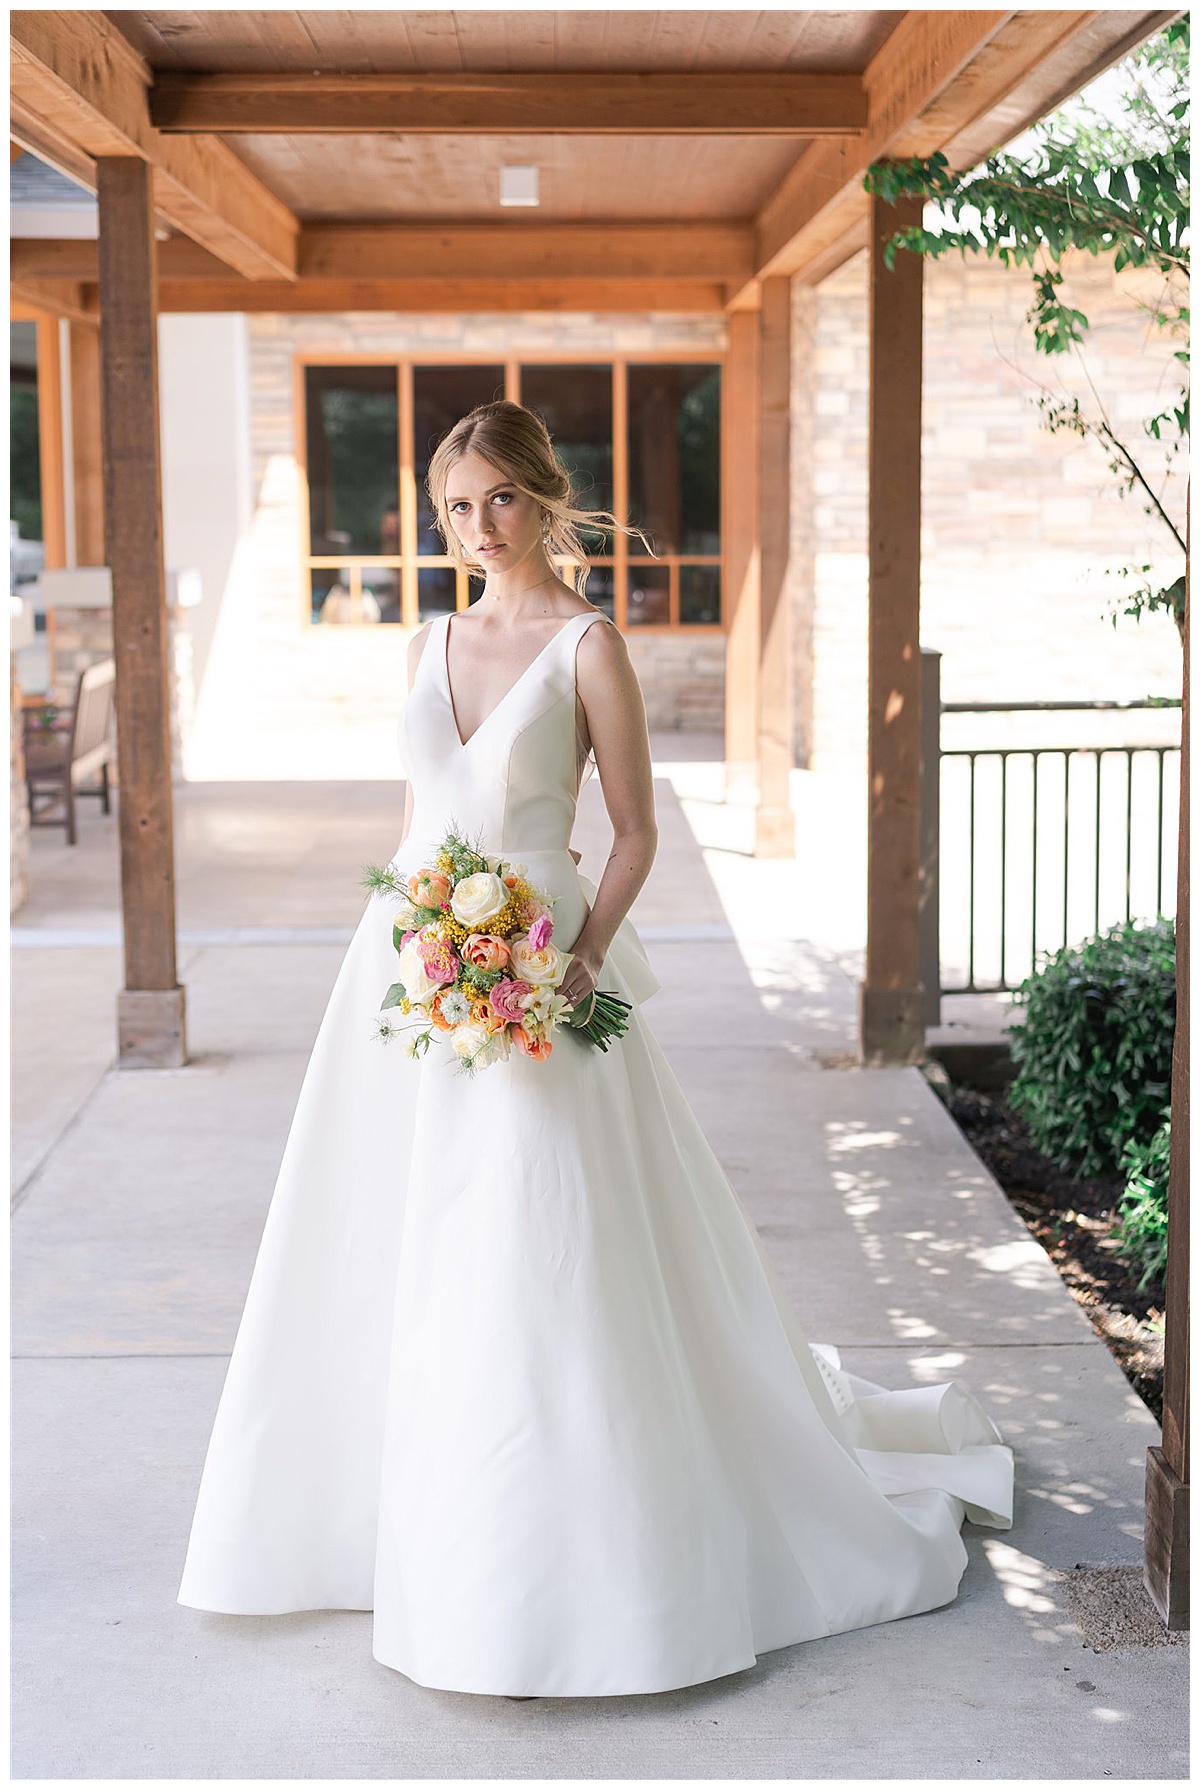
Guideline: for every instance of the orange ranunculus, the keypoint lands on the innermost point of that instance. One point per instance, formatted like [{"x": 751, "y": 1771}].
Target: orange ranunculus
[
  {"x": 429, "y": 888},
  {"x": 537, "y": 1048},
  {"x": 435, "y": 1014},
  {"x": 486, "y": 950},
  {"x": 482, "y": 1010}
]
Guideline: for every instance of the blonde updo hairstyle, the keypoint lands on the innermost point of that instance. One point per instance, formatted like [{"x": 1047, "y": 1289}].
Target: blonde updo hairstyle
[{"x": 517, "y": 443}]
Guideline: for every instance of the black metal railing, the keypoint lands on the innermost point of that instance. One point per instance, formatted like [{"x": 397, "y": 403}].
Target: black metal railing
[{"x": 1005, "y": 832}]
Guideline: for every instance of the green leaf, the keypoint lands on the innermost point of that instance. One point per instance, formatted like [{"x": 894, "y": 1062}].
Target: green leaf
[{"x": 393, "y": 997}]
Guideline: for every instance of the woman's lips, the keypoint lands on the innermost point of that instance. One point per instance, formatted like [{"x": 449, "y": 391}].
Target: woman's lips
[{"x": 498, "y": 548}]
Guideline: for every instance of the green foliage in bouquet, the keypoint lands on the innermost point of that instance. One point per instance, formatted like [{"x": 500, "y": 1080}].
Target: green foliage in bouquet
[
  {"x": 1141, "y": 1230},
  {"x": 1093, "y": 1056}
]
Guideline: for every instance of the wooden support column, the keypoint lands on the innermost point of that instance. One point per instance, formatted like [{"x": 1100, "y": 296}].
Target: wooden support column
[
  {"x": 1167, "y": 1544},
  {"x": 87, "y": 445},
  {"x": 891, "y": 1000},
  {"x": 50, "y": 442},
  {"x": 775, "y": 827},
  {"x": 739, "y": 458},
  {"x": 150, "y": 1009}
]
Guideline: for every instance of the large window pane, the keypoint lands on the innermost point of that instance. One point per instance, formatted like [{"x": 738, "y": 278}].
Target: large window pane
[
  {"x": 352, "y": 420},
  {"x": 437, "y": 591},
  {"x": 699, "y": 594},
  {"x": 674, "y": 456},
  {"x": 353, "y": 595},
  {"x": 576, "y": 405},
  {"x": 442, "y": 396},
  {"x": 600, "y": 589},
  {"x": 649, "y": 596}
]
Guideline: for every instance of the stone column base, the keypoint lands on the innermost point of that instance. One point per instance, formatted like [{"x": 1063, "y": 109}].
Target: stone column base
[
  {"x": 150, "y": 1028},
  {"x": 1168, "y": 1540},
  {"x": 891, "y": 1026}
]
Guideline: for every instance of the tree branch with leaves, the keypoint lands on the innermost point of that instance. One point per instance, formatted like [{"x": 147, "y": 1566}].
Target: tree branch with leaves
[{"x": 1095, "y": 184}]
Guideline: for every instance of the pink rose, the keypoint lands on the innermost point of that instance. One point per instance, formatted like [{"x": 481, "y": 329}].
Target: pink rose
[
  {"x": 539, "y": 932},
  {"x": 507, "y": 1000},
  {"x": 486, "y": 951},
  {"x": 406, "y": 936},
  {"x": 440, "y": 959}
]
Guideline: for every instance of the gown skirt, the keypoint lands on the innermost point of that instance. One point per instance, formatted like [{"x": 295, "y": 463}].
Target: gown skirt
[{"x": 516, "y": 1374}]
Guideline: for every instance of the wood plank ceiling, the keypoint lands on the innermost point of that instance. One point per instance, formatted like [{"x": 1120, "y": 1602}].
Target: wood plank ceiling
[
  {"x": 351, "y": 160},
  {"x": 582, "y": 178}
]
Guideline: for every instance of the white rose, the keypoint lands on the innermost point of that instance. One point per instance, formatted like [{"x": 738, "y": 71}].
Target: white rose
[
  {"x": 547, "y": 965},
  {"x": 478, "y": 898},
  {"x": 474, "y": 1040},
  {"x": 419, "y": 986}
]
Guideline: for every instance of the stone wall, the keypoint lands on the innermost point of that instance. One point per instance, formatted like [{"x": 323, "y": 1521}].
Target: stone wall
[
  {"x": 1022, "y": 531},
  {"x": 84, "y": 636}
]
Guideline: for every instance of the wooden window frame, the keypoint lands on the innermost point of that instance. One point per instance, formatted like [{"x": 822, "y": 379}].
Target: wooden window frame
[{"x": 626, "y": 552}]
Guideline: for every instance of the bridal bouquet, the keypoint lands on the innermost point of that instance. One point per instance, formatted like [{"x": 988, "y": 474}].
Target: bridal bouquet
[{"x": 477, "y": 964}]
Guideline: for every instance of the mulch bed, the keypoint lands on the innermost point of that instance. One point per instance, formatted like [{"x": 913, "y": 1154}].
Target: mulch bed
[{"x": 1073, "y": 1221}]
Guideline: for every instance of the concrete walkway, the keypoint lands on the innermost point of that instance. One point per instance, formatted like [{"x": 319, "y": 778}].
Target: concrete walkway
[{"x": 140, "y": 1200}]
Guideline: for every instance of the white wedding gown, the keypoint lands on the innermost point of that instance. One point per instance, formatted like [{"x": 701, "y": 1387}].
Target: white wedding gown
[{"x": 514, "y": 1370}]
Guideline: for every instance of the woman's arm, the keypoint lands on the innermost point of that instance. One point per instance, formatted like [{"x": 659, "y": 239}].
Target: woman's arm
[
  {"x": 616, "y": 716},
  {"x": 416, "y": 647}
]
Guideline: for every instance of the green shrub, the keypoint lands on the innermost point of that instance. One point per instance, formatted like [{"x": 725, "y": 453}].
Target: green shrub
[
  {"x": 1093, "y": 1057},
  {"x": 1141, "y": 1230}
]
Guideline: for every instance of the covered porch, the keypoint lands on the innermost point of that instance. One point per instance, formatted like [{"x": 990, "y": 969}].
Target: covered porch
[
  {"x": 287, "y": 164},
  {"x": 271, "y": 163}
]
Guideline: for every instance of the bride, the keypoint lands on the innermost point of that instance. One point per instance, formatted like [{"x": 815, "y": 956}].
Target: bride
[{"x": 514, "y": 1370}]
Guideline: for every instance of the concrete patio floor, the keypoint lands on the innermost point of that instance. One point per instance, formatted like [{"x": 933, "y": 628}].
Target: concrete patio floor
[{"x": 140, "y": 1199}]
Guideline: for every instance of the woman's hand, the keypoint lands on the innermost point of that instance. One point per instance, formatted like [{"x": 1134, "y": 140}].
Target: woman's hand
[{"x": 583, "y": 973}]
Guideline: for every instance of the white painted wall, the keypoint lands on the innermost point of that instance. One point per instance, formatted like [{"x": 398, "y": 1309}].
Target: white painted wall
[{"x": 208, "y": 497}]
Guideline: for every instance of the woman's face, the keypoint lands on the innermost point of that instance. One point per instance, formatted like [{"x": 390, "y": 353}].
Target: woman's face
[{"x": 498, "y": 525}]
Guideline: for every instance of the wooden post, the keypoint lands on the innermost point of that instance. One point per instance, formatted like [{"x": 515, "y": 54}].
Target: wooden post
[
  {"x": 87, "y": 445},
  {"x": 739, "y": 485},
  {"x": 929, "y": 910},
  {"x": 50, "y": 443},
  {"x": 775, "y": 826},
  {"x": 1167, "y": 1544},
  {"x": 150, "y": 1009},
  {"x": 891, "y": 1000}
]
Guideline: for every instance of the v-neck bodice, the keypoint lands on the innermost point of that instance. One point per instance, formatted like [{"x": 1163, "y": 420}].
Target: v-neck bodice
[{"x": 515, "y": 781}]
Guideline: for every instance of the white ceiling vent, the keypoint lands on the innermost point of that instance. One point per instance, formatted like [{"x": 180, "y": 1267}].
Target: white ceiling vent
[{"x": 519, "y": 186}]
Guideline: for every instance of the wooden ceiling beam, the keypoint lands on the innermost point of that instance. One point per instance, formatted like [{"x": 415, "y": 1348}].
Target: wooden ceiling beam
[
  {"x": 962, "y": 82},
  {"x": 467, "y": 295},
  {"x": 700, "y": 102},
  {"x": 68, "y": 258},
  {"x": 78, "y": 88},
  {"x": 821, "y": 197},
  {"x": 54, "y": 298},
  {"x": 526, "y": 251},
  {"x": 467, "y": 252}
]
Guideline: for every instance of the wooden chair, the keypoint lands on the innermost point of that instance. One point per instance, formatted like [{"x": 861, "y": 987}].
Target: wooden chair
[{"x": 58, "y": 759}]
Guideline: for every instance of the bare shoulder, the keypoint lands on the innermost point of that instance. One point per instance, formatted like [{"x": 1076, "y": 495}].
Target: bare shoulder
[
  {"x": 604, "y": 669},
  {"x": 604, "y": 647}
]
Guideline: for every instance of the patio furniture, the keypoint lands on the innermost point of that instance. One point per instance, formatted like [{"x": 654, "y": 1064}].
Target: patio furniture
[{"x": 75, "y": 744}]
